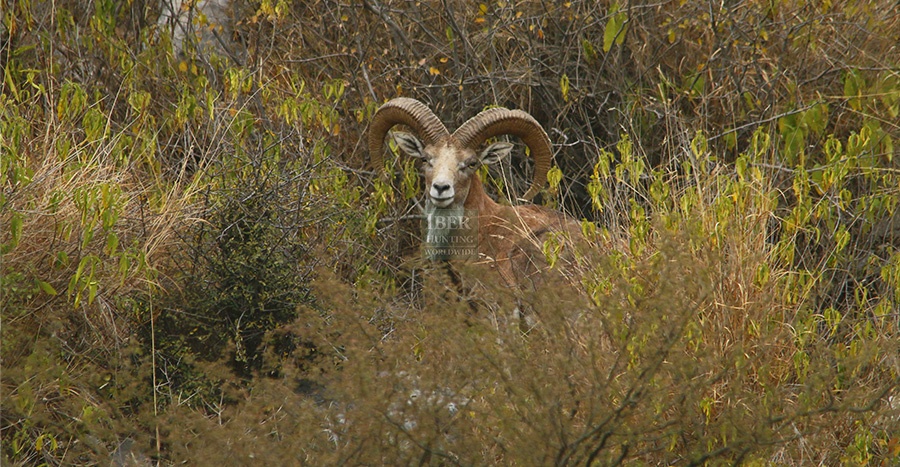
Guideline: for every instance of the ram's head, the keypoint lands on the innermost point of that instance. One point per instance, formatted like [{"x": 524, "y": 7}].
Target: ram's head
[{"x": 450, "y": 160}]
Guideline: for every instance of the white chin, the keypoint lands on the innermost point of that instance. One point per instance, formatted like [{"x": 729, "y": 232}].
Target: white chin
[{"x": 442, "y": 203}]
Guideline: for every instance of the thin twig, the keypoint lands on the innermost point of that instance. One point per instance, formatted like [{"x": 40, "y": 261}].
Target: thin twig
[{"x": 378, "y": 9}]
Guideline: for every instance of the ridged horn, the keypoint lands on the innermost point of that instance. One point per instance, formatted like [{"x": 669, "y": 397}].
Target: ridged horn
[
  {"x": 500, "y": 121},
  {"x": 409, "y": 112}
]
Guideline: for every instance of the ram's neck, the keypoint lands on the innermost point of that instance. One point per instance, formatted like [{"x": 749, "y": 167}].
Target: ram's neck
[{"x": 478, "y": 202}]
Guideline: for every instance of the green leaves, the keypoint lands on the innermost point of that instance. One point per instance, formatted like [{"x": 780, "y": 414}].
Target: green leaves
[
  {"x": 616, "y": 28},
  {"x": 552, "y": 247},
  {"x": 45, "y": 287},
  {"x": 84, "y": 283},
  {"x": 630, "y": 164},
  {"x": 796, "y": 127},
  {"x": 595, "y": 186},
  {"x": 854, "y": 83},
  {"x": 72, "y": 102},
  {"x": 14, "y": 167},
  {"x": 590, "y": 54},
  {"x": 410, "y": 181},
  {"x": 888, "y": 92},
  {"x": 15, "y": 233}
]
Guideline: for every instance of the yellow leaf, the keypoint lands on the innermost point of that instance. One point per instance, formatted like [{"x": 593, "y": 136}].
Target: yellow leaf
[
  {"x": 434, "y": 71},
  {"x": 479, "y": 20},
  {"x": 554, "y": 177},
  {"x": 482, "y": 8}
]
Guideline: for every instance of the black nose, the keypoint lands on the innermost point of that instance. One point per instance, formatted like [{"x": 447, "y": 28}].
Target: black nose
[{"x": 440, "y": 188}]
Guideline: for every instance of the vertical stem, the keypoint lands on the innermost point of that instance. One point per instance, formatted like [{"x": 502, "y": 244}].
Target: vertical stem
[{"x": 153, "y": 373}]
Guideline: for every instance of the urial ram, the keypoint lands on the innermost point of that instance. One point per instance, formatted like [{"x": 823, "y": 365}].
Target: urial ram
[{"x": 504, "y": 234}]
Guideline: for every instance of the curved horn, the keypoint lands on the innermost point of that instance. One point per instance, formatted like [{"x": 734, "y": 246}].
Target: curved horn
[
  {"x": 409, "y": 112},
  {"x": 500, "y": 121}
]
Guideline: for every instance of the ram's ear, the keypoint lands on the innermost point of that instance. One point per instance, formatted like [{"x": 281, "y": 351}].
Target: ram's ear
[
  {"x": 495, "y": 152},
  {"x": 409, "y": 144}
]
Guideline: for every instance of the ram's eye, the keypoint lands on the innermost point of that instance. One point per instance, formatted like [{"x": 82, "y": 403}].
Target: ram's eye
[{"x": 472, "y": 165}]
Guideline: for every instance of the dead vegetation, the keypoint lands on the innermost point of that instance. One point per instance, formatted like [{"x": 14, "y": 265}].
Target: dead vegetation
[{"x": 198, "y": 265}]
